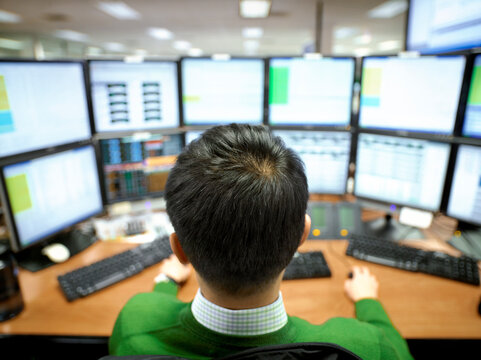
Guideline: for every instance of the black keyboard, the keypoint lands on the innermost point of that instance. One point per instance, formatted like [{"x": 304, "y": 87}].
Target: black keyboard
[
  {"x": 307, "y": 265},
  {"x": 379, "y": 251},
  {"x": 94, "y": 277}
]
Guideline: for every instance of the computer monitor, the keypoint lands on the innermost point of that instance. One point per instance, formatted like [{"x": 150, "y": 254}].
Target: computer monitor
[
  {"x": 401, "y": 171},
  {"x": 472, "y": 114},
  {"x": 305, "y": 92},
  {"x": 48, "y": 194},
  {"x": 325, "y": 155},
  {"x": 436, "y": 26},
  {"x": 134, "y": 96},
  {"x": 137, "y": 166},
  {"x": 465, "y": 195},
  {"x": 216, "y": 92},
  {"x": 42, "y": 105},
  {"x": 411, "y": 94}
]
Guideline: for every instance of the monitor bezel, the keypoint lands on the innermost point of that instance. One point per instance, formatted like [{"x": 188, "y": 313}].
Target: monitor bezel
[
  {"x": 436, "y": 51},
  {"x": 243, "y": 58},
  {"x": 82, "y": 63},
  {"x": 301, "y": 126},
  {"x": 323, "y": 130},
  {"x": 102, "y": 174},
  {"x": 14, "y": 238},
  {"x": 449, "y": 182},
  {"x": 95, "y": 131},
  {"x": 397, "y": 205},
  {"x": 416, "y": 133}
]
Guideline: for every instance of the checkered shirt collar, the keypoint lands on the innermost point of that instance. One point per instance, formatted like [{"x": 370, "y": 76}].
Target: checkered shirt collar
[{"x": 248, "y": 322}]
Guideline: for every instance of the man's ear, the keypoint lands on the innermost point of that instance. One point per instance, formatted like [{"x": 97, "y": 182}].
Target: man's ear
[
  {"x": 307, "y": 229},
  {"x": 177, "y": 249}
]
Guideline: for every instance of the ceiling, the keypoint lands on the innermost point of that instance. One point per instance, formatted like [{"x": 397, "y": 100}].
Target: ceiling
[{"x": 214, "y": 26}]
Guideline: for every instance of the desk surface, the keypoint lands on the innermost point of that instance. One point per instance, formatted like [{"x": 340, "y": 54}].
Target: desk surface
[{"x": 421, "y": 306}]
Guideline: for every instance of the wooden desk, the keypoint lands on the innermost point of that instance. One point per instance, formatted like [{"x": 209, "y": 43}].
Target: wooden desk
[{"x": 421, "y": 306}]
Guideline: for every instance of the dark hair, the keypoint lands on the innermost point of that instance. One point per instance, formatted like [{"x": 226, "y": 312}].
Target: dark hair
[{"x": 237, "y": 199}]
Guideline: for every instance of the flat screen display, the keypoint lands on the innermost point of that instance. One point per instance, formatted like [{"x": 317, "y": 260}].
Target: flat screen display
[
  {"x": 325, "y": 155},
  {"x": 42, "y": 104},
  {"x": 472, "y": 115},
  {"x": 216, "y": 92},
  {"x": 306, "y": 92},
  {"x": 134, "y": 96},
  {"x": 411, "y": 94},
  {"x": 53, "y": 192},
  {"x": 465, "y": 196},
  {"x": 439, "y": 26},
  {"x": 401, "y": 171}
]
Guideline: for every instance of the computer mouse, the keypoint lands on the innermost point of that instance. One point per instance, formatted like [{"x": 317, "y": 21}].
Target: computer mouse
[{"x": 56, "y": 252}]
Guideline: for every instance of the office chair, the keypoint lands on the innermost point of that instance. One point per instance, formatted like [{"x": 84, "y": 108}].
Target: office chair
[{"x": 304, "y": 351}]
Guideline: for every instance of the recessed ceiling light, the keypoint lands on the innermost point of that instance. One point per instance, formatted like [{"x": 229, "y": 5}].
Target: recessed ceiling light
[
  {"x": 389, "y": 45},
  {"x": 195, "y": 52},
  {"x": 388, "y": 9},
  {"x": 11, "y": 44},
  {"x": 252, "y": 32},
  {"x": 9, "y": 17},
  {"x": 119, "y": 10},
  {"x": 114, "y": 46},
  {"x": 71, "y": 35},
  {"x": 181, "y": 45},
  {"x": 254, "y": 8},
  {"x": 160, "y": 33}
]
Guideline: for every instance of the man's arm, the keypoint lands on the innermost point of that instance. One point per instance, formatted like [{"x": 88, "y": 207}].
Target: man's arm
[
  {"x": 172, "y": 273},
  {"x": 362, "y": 289}
]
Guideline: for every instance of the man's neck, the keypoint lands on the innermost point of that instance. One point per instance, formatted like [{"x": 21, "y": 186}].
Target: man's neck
[{"x": 234, "y": 302}]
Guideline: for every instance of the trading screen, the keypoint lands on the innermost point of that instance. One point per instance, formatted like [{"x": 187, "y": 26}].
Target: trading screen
[
  {"x": 41, "y": 105},
  {"x": 437, "y": 26},
  {"x": 134, "y": 96},
  {"x": 472, "y": 116},
  {"x": 325, "y": 156},
  {"x": 310, "y": 92},
  {"x": 50, "y": 193},
  {"x": 222, "y": 91},
  {"x": 401, "y": 171},
  {"x": 465, "y": 197},
  {"x": 412, "y": 94},
  {"x": 138, "y": 167}
]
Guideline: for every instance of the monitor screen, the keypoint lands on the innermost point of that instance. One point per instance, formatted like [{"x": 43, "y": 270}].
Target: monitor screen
[
  {"x": 411, "y": 94},
  {"x": 465, "y": 196},
  {"x": 325, "y": 156},
  {"x": 134, "y": 96},
  {"x": 42, "y": 102},
  {"x": 52, "y": 192},
  {"x": 472, "y": 115},
  {"x": 191, "y": 136},
  {"x": 137, "y": 167},
  {"x": 216, "y": 92},
  {"x": 437, "y": 26},
  {"x": 401, "y": 171},
  {"x": 306, "y": 92}
]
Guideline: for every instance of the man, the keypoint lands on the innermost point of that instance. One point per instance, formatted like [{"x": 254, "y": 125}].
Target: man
[{"x": 237, "y": 199}]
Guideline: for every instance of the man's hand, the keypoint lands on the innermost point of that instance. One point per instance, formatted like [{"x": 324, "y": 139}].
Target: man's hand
[
  {"x": 175, "y": 270},
  {"x": 363, "y": 284}
]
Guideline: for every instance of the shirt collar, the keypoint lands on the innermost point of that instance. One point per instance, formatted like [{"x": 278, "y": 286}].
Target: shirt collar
[{"x": 247, "y": 322}]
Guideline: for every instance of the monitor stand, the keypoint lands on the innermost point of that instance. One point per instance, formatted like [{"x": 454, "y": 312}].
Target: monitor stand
[
  {"x": 392, "y": 230},
  {"x": 76, "y": 240}
]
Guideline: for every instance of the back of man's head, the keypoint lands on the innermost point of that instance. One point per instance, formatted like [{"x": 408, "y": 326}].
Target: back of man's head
[{"x": 237, "y": 199}]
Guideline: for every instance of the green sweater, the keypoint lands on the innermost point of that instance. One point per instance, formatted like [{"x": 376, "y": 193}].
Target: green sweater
[{"x": 159, "y": 323}]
